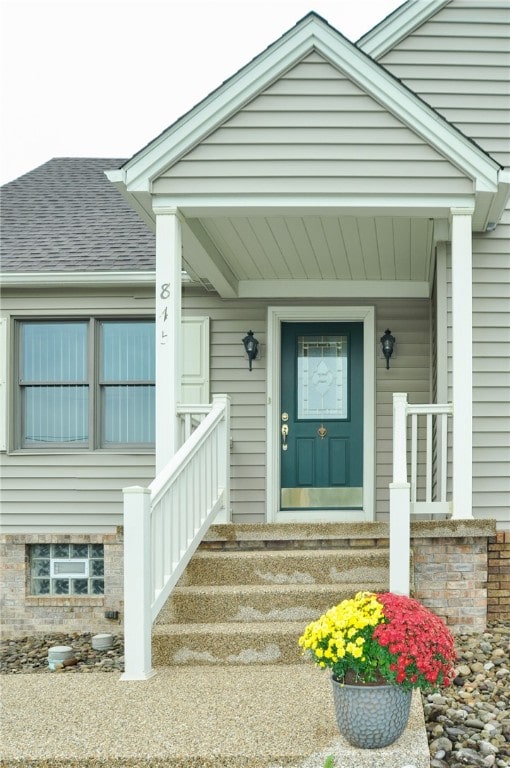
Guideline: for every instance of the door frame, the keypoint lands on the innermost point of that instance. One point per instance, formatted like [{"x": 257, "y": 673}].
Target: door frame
[{"x": 275, "y": 317}]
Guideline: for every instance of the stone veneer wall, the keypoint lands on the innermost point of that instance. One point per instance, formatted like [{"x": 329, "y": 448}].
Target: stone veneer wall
[
  {"x": 24, "y": 614},
  {"x": 499, "y": 577}
]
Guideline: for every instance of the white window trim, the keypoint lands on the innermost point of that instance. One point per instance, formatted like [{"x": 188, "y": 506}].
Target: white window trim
[
  {"x": 277, "y": 315},
  {"x": 93, "y": 384}
]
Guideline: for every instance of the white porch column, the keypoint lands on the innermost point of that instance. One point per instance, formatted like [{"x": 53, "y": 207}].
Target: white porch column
[
  {"x": 168, "y": 331},
  {"x": 462, "y": 361},
  {"x": 400, "y": 501},
  {"x": 138, "y": 586}
]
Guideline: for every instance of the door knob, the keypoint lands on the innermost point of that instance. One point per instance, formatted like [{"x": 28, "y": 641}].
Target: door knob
[{"x": 285, "y": 432}]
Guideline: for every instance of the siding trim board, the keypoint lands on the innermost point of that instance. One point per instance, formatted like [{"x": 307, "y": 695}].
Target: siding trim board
[{"x": 398, "y": 25}]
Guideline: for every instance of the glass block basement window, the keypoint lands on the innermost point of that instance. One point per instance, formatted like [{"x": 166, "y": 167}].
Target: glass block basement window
[{"x": 67, "y": 569}]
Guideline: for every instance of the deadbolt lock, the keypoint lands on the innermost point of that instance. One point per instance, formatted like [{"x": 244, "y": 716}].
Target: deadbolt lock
[{"x": 285, "y": 416}]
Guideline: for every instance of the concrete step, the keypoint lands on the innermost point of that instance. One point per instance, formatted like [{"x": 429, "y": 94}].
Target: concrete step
[
  {"x": 314, "y": 566},
  {"x": 271, "y": 534},
  {"x": 237, "y": 644},
  {"x": 245, "y": 603},
  {"x": 250, "y": 590}
]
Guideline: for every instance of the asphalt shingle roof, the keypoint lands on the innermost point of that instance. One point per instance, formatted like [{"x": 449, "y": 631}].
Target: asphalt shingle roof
[{"x": 66, "y": 216}]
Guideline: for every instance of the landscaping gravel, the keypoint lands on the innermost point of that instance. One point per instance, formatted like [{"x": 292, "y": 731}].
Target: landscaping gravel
[
  {"x": 27, "y": 655},
  {"x": 468, "y": 724}
]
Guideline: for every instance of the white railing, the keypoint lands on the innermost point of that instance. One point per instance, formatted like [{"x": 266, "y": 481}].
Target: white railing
[
  {"x": 191, "y": 416},
  {"x": 426, "y": 493},
  {"x": 164, "y": 524}
]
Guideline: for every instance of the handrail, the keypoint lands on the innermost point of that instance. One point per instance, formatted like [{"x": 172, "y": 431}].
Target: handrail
[
  {"x": 191, "y": 416},
  {"x": 164, "y": 524},
  {"x": 435, "y": 450},
  {"x": 404, "y": 499},
  {"x": 192, "y": 474},
  {"x": 439, "y": 447}
]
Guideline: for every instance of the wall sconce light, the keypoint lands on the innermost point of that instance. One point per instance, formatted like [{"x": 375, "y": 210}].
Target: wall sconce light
[
  {"x": 388, "y": 342},
  {"x": 251, "y": 346}
]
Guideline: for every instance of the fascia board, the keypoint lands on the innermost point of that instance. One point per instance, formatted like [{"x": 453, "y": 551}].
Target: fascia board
[
  {"x": 140, "y": 202},
  {"x": 499, "y": 201},
  {"x": 77, "y": 279},
  {"x": 398, "y": 25},
  {"x": 198, "y": 206},
  {"x": 313, "y": 34}
]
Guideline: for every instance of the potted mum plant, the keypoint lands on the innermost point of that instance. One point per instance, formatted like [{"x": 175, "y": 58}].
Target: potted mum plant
[{"x": 379, "y": 647}]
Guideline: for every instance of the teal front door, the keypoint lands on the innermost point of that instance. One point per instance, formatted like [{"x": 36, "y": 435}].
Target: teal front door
[{"x": 321, "y": 419}]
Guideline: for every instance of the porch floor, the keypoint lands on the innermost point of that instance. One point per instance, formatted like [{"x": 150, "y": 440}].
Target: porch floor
[{"x": 203, "y": 717}]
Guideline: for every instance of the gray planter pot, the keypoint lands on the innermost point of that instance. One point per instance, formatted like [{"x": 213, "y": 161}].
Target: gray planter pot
[{"x": 371, "y": 716}]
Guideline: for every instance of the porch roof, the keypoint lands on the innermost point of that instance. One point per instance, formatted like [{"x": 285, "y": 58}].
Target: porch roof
[{"x": 275, "y": 217}]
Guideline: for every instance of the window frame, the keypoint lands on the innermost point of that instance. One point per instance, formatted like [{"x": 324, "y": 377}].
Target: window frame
[
  {"x": 94, "y": 384},
  {"x": 52, "y": 577}
]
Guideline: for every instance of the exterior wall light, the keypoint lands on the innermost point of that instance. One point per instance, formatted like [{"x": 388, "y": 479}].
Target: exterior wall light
[
  {"x": 388, "y": 342},
  {"x": 251, "y": 346}
]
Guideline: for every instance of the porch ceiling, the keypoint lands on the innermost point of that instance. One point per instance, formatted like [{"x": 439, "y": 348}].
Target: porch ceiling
[{"x": 248, "y": 255}]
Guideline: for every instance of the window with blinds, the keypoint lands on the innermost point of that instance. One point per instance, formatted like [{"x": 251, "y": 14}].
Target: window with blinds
[{"x": 87, "y": 383}]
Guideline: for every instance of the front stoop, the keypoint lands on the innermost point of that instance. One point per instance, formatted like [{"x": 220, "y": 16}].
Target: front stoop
[
  {"x": 249, "y": 591},
  {"x": 232, "y": 689},
  {"x": 262, "y": 716}
]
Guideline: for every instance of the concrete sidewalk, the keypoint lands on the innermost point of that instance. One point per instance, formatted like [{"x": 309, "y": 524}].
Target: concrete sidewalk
[{"x": 203, "y": 717}]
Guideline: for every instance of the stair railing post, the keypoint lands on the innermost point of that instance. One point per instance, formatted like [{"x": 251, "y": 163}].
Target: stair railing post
[
  {"x": 137, "y": 584},
  {"x": 223, "y": 457},
  {"x": 400, "y": 501}
]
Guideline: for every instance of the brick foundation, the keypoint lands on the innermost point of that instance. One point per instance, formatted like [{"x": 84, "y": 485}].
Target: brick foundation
[
  {"x": 450, "y": 578},
  {"x": 461, "y": 571},
  {"x": 498, "y": 598},
  {"x": 25, "y": 614}
]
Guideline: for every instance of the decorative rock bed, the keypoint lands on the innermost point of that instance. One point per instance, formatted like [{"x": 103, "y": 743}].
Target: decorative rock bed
[
  {"x": 30, "y": 654},
  {"x": 469, "y": 723}
]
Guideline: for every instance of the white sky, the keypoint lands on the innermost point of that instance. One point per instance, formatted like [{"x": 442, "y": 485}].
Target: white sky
[{"x": 102, "y": 78}]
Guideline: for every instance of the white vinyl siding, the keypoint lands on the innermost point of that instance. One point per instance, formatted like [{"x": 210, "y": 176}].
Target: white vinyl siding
[
  {"x": 229, "y": 323},
  {"x": 459, "y": 63},
  {"x": 409, "y": 372},
  {"x": 491, "y": 374},
  {"x": 68, "y": 491},
  {"x": 313, "y": 131}
]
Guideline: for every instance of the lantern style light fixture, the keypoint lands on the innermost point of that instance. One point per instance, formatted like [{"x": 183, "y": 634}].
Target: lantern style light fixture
[
  {"x": 251, "y": 346},
  {"x": 388, "y": 342}
]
